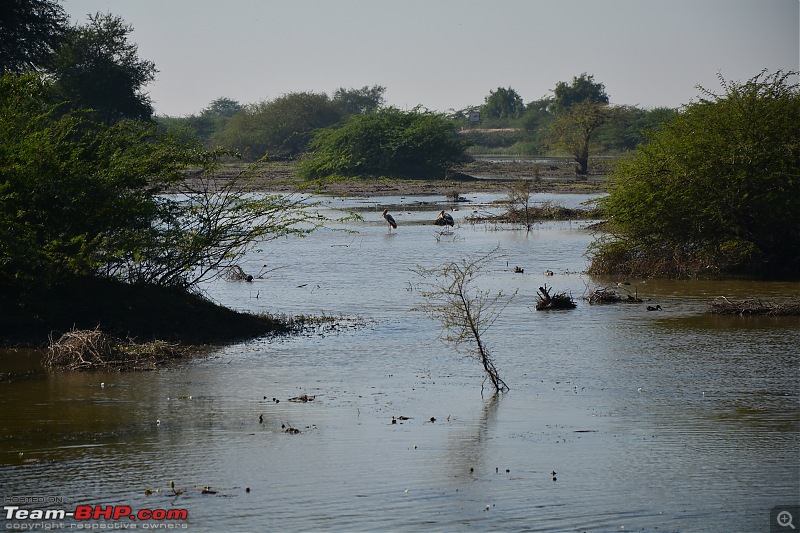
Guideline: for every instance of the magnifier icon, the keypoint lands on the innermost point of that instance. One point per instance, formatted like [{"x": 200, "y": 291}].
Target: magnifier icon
[{"x": 785, "y": 519}]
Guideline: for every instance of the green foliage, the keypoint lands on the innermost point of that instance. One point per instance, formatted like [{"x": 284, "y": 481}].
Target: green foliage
[
  {"x": 626, "y": 127},
  {"x": 359, "y": 101},
  {"x": 582, "y": 89},
  {"x": 503, "y": 104},
  {"x": 80, "y": 198},
  {"x": 203, "y": 127},
  {"x": 389, "y": 142},
  {"x": 30, "y": 32},
  {"x": 716, "y": 190},
  {"x": 572, "y": 130},
  {"x": 97, "y": 68},
  {"x": 281, "y": 127}
]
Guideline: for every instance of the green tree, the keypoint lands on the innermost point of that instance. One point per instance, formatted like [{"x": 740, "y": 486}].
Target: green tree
[
  {"x": 80, "y": 199},
  {"x": 573, "y": 128},
  {"x": 627, "y": 126},
  {"x": 359, "y": 101},
  {"x": 388, "y": 142},
  {"x": 582, "y": 89},
  {"x": 98, "y": 68},
  {"x": 281, "y": 127},
  {"x": 716, "y": 190},
  {"x": 503, "y": 104},
  {"x": 30, "y": 32}
]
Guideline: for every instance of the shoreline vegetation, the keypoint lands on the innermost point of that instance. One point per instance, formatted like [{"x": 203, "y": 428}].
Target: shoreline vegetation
[
  {"x": 104, "y": 324},
  {"x": 144, "y": 326}
]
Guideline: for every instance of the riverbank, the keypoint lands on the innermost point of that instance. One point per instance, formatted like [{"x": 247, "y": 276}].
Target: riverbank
[
  {"x": 139, "y": 313},
  {"x": 476, "y": 176}
]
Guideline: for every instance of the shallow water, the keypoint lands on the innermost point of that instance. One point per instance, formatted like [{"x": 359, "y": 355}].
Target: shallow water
[{"x": 673, "y": 420}]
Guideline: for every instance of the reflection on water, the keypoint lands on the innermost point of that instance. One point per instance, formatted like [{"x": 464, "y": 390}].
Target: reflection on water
[{"x": 670, "y": 421}]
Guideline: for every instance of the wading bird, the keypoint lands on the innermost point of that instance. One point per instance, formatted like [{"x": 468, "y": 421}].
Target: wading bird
[
  {"x": 444, "y": 219},
  {"x": 389, "y": 220}
]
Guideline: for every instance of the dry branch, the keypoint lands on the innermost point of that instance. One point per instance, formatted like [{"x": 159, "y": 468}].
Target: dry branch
[
  {"x": 561, "y": 300},
  {"x": 94, "y": 350},
  {"x": 754, "y": 307}
]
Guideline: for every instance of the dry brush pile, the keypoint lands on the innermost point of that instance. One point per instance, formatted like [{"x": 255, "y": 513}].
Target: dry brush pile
[
  {"x": 754, "y": 307},
  {"x": 94, "y": 350}
]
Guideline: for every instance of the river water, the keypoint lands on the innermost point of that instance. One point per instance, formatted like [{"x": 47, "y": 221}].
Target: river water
[{"x": 673, "y": 420}]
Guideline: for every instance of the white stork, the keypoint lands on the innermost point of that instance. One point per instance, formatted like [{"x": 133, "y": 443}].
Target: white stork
[
  {"x": 444, "y": 219},
  {"x": 389, "y": 220}
]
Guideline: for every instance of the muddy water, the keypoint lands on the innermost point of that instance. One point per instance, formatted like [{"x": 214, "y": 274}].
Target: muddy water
[{"x": 671, "y": 420}]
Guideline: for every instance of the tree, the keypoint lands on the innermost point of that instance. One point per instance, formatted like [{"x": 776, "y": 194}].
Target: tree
[
  {"x": 518, "y": 199},
  {"x": 214, "y": 118},
  {"x": 573, "y": 128},
  {"x": 281, "y": 127},
  {"x": 627, "y": 126},
  {"x": 503, "y": 104},
  {"x": 714, "y": 191},
  {"x": 388, "y": 142},
  {"x": 97, "y": 68},
  {"x": 30, "y": 32},
  {"x": 582, "y": 89},
  {"x": 465, "y": 312},
  {"x": 359, "y": 101},
  {"x": 82, "y": 199}
]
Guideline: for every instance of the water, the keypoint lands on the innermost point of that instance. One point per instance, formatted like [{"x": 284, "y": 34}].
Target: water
[{"x": 673, "y": 420}]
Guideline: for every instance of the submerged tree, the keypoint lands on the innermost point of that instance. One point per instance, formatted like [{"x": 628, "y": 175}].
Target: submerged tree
[
  {"x": 465, "y": 311},
  {"x": 518, "y": 199}
]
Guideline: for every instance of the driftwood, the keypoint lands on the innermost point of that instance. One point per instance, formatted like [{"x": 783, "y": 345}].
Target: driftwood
[
  {"x": 561, "y": 300},
  {"x": 754, "y": 307}
]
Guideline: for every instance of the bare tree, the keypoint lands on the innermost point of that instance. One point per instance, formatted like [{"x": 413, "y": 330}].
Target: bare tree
[
  {"x": 465, "y": 311},
  {"x": 518, "y": 199}
]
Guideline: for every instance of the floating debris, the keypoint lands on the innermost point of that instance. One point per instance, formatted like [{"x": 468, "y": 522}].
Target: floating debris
[
  {"x": 302, "y": 399},
  {"x": 560, "y": 300}
]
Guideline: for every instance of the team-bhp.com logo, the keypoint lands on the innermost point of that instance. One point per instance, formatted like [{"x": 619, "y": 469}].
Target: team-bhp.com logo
[{"x": 94, "y": 513}]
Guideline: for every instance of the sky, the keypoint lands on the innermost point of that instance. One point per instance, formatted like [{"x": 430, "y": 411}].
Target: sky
[{"x": 450, "y": 54}]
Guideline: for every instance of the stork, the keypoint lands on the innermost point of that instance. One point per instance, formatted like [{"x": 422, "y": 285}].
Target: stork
[
  {"x": 444, "y": 219},
  {"x": 389, "y": 220}
]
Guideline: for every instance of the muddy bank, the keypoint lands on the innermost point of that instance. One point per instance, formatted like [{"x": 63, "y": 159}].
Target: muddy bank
[
  {"x": 476, "y": 176},
  {"x": 141, "y": 313}
]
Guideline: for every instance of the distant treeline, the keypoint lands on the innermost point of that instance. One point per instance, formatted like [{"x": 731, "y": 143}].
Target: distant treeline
[{"x": 284, "y": 126}]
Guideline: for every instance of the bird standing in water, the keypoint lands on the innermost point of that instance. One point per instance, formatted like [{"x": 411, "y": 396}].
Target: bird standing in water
[
  {"x": 389, "y": 220},
  {"x": 444, "y": 219}
]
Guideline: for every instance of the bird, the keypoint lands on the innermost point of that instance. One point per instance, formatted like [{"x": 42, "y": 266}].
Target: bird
[
  {"x": 444, "y": 219},
  {"x": 389, "y": 219},
  {"x": 656, "y": 308}
]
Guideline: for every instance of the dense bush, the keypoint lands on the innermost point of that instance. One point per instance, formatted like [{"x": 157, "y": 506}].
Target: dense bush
[
  {"x": 715, "y": 191},
  {"x": 389, "y": 142},
  {"x": 80, "y": 198}
]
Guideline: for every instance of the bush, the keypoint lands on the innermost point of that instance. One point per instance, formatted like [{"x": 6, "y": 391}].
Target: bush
[
  {"x": 389, "y": 142},
  {"x": 713, "y": 192}
]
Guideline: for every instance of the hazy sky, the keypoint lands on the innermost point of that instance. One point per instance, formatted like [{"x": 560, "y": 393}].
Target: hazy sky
[{"x": 449, "y": 54}]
